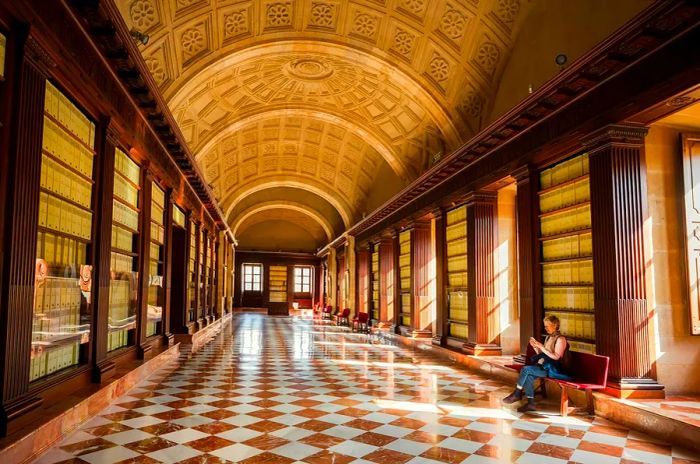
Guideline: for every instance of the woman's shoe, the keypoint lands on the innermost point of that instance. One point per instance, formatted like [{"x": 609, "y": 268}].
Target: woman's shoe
[
  {"x": 529, "y": 406},
  {"x": 513, "y": 397}
]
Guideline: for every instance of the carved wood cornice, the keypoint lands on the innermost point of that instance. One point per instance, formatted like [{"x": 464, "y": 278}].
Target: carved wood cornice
[
  {"x": 36, "y": 54},
  {"x": 103, "y": 22},
  {"x": 619, "y": 134}
]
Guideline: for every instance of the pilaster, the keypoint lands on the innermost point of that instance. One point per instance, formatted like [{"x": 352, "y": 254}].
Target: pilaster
[
  {"x": 484, "y": 321},
  {"x": 618, "y": 213},
  {"x": 439, "y": 326}
]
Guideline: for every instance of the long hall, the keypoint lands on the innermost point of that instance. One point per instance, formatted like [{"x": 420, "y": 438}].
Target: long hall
[{"x": 290, "y": 390}]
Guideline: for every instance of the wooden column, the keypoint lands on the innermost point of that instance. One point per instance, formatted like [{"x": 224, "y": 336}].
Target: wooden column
[
  {"x": 618, "y": 212},
  {"x": 395, "y": 251},
  {"x": 440, "y": 325},
  {"x": 421, "y": 257},
  {"x": 387, "y": 282},
  {"x": 21, "y": 219},
  {"x": 364, "y": 269},
  {"x": 102, "y": 244},
  {"x": 529, "y": 273},
  {"x": 351, "y": 281},
  {"x": 484, "y": 326},
  {"x": 143, "y": 348},
  {"x": 168, "y": 337}
]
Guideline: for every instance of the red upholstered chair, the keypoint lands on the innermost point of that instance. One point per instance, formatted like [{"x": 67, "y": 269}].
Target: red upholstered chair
[
  {"x": 326, "y": 312},
  {"x": 343, "y": 318},
  {"x": 360, "y": 323}
]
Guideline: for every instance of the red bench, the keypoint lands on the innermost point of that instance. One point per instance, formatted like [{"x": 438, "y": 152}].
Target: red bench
[{"x": 590, "y": 372}]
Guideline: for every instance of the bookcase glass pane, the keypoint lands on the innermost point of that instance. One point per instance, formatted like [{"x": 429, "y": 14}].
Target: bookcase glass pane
[
  {"x": 567, "y": 257},
  {"x": 178, "y": 216},
  {"x": 61, "y": 314},
  {"x": 3, "y": 45},
  {"x": 278, "y": 284},
  {"x": 456, "y": 251},
  {"x": 192, "y": 289},
  {"x": 156, "y": 294},
  {"x": 123, "y": 290}
]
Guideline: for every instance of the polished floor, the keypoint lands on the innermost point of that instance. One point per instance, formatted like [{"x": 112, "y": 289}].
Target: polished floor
[{"x": 288, "y": 390}]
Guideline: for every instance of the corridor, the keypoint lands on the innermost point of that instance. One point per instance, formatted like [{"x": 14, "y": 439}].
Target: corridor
[{"x": 287, "y": 390}]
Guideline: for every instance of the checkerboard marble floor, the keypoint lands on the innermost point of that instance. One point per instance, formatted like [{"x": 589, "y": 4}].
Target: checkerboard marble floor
[{"x": 287, "y": 390}]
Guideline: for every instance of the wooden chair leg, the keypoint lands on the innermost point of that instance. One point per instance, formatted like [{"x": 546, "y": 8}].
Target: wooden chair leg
[
  {"x": 589, "y": 401},
  {"x": 564, "y": 409}
]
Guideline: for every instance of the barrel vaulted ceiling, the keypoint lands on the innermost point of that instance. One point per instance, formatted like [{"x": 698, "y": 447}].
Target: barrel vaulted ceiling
[{"x": 334, "y": 100}]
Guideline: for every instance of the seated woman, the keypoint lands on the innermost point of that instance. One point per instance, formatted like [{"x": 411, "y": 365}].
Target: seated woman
[{"x": 550, "y": 361}]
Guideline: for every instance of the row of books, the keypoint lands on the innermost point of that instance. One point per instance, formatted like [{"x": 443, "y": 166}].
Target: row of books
[
  {"x": 573, "y": 298},
  {"x": 155, "y": 251},
  {"x": 457, "y": 263},
  {"x": 570, "y": 272},
  {"x": 125, "y": 215},
  {"x": 456, "y": 231},
  {"x": 566, "y": 195},
  {"x": 117, "y": 339},
  {"x": 60, "y": 144},
  {"x": 64, "y": 182},
  {"x": 457, "y": 308},
  {"x": 582, "y": 347},
  {"x": 458, "y": 330},
  {"x": 157, "y": 233},
  {"x": 64, "y": 111},
  {"x": 564, "y": 171},
  {"x": 158, "y": 198},
  {"x": 60, "y": 252},
  {"x": 573, "y": 246},
  {"x": 457, "y": 247},
  {"x": 48, "y": 361},
  {"x": 122, "y": 263},
  {"x": 123, "y": 239},
  {"x": 178, "y": 216},
  {"x": 127, "y": 167},
  {"x": 57, "y": 294},
  {"x": 126, "y": 191},
  {"x": 157, "y": 214},
  {"x": 576, "y": 325},
  {"x": 566, "y": 221},
  {"x": 61, "y": 216}
]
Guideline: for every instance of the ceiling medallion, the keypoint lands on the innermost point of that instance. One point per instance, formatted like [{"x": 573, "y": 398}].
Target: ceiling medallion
[
  {"x": 309, "y": 69},
  {"x": 679, "y": 101}
]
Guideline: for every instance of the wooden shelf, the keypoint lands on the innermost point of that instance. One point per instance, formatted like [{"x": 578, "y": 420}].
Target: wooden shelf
[
  {"x": 566, "y": 234},
  {"x": 566, "y": 183}
]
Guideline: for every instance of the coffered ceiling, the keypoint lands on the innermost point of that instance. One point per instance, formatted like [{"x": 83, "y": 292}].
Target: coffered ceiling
[{"x": 317, "y": 97}]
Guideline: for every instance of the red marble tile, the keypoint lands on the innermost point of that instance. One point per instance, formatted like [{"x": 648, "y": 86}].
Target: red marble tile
[
  {"x": 315, "y": 425},
  {"x": 208, "y": 444},
  {"x": 386, "y": 456},
  {"x": 162, "y": 428},
  {"x": 265, "y": 426},
  {"x": 121, "y": 416},
  {"x": 172, "y": 415},
  {"x": 376, "y": 439},
  {"x": 363, "y": 424},
  {"x": 565, "y": 432},
  {"x": 601, "y": 448},
  {"x": 179, "y": 404},
  {"x": 320, "y": 440},
  {"x": 553, "y": 451},
  {"x": 87, "y": 446},
  {"x": 218, "y": 414},
  {"x": 223, "y": 404},
  {"x": 213, "y": 428},
  {"x": 474, "y": 435},
  {"x": 306, "y": 403},
  {"x": 138, "y": 460},
  {"x": 265, "y": 414},
  {"x": 648, "y": 446},
  {"x": 150, "y": 445},
  {"x": 205, "y": 459},
  {"x": 445, "y": 455},
  {"x": 608, "y": 430},
  {"x": 266, "y": 442},
  {"x": 311, "y": 413},
  {"x": 327, "y": 457},
  {"x": 108, "y": 429},
  {"x": 408, "y": 423},
  {"x": 267, "y": 458}
]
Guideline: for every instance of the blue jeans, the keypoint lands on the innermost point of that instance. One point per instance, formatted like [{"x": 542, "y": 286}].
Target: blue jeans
[{"x": 528, "y": 376}]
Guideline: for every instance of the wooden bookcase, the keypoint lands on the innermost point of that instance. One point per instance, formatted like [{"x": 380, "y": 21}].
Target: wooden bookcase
[
  {"x": 156, "y": 265},
  {"x": 210, "y": 278},
  {"x": 374, "y": 282},
  {"x": 192, "y": 268},
  {"x": 62, "y": 303},
  {"x": 123, "y": 289},
  {"x": 567, "y": 250},
  {"x": 201, "y": 309},
  {"x": 278, "y": 284},
  {"x": 405, "y": 276},
  {"x": 457, "y": 289}
]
